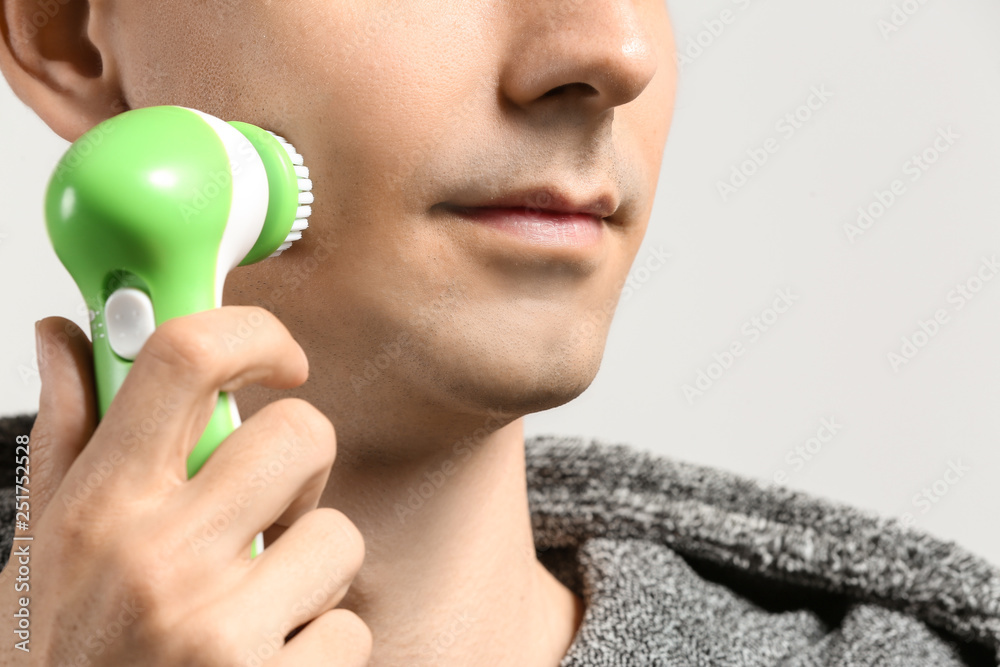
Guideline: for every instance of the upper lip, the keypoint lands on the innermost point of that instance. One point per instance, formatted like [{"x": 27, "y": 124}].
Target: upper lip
[{"x": 549, "y": 199}]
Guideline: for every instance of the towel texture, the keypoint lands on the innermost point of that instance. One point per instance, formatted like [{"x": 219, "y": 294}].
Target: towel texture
[{"x": 681, "y": 564}]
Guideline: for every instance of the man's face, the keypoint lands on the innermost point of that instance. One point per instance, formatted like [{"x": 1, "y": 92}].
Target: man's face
[{"x": 402, "y": 109}]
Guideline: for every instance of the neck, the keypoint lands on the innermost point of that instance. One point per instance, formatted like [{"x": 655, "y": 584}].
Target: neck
[{"x": 450, "y": 575}]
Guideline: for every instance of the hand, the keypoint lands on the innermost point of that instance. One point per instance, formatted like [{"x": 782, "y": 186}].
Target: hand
[{"x": 134, "y": 564}]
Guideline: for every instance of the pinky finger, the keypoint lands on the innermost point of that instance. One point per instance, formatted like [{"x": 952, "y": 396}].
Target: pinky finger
[{"x": 338, "y": 638}]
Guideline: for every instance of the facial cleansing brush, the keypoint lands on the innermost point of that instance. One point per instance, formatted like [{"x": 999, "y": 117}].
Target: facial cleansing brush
[{"x": 150, "y": 210}]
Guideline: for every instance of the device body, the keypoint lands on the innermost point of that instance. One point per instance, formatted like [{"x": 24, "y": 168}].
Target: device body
[{"x": 150, "y": 210}]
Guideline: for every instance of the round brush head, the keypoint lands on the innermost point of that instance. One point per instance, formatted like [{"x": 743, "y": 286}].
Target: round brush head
[
  {"x": 288, "y": 186},
  {"x": 305, "y": 199}
]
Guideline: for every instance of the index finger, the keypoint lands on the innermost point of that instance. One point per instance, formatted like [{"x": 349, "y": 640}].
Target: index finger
[{"x": 168, "y": 396}]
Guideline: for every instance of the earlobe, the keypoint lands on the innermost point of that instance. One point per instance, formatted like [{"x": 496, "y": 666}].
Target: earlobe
[{"x": 54, "y": 64}]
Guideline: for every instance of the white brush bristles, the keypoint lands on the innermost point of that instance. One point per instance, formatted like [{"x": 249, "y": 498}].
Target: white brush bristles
[{"x": 304, "y": 209}]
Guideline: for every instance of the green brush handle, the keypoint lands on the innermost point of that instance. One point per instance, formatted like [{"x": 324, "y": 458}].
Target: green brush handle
[{"x": 151, "y": 209}]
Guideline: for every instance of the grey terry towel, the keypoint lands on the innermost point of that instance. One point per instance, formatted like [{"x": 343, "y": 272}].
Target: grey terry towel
[{"x": 681, "y": 564}]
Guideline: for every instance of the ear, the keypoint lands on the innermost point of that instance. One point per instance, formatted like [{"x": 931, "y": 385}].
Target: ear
[{"x": 56, "y": 58}]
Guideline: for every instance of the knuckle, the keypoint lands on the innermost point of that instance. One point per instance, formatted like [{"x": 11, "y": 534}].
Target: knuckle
[
  {"x": 78, "y": 523},
  {"x": 347, "y": 625},
  {"x": 303, "y": 421},
  {"x": 75, "y": 533},
  {"x": 181, "y": 342},
  {"x": 246, "y": 321},
  {"x": 154, "y": 624},
  {"x": 134, "y": 568},
  {"x": 260, "y": 316},
  {"x": 143, "y": 583},
  {"x": 211, "y": 641},
  {"x": 337, "y": 532}
]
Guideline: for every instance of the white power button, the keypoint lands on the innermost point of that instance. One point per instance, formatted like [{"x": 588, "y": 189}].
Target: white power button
[{"x": 129, "y": 316}]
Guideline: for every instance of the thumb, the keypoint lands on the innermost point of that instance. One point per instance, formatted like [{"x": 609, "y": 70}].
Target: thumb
[{"x": 67, "y": 406}]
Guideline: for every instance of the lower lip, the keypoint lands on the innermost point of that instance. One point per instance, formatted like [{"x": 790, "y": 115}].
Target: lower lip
[{"x": 543, "y": 228}]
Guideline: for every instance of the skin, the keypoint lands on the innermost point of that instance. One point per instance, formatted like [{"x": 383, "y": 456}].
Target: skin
[{"x": 397, "y": 108}]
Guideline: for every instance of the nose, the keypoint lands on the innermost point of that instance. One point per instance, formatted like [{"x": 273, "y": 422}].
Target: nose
[{"x": 594, "y": 54}]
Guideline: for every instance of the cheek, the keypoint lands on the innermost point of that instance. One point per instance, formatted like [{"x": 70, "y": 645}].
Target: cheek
[
  {"x": 214, "y": 57},
  {"x": 258, "y": 61},
  {"x": 381, "y": 96},
  {"x": 381, "y": 91}
]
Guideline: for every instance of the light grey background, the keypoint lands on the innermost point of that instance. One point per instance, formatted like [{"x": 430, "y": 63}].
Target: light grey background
[{"x": 889, "y": 94}]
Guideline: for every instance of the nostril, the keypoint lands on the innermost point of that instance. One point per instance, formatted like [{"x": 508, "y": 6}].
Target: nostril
[
  {"x": 555, "y": 91},
  {"x": 587, "y": 89}
]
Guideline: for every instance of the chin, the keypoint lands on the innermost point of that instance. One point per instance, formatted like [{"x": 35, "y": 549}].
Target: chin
[{"x": 520, "y": 380}]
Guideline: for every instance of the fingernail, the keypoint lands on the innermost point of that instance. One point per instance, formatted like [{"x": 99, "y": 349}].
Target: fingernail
[{"x": 39, "y": 350}]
